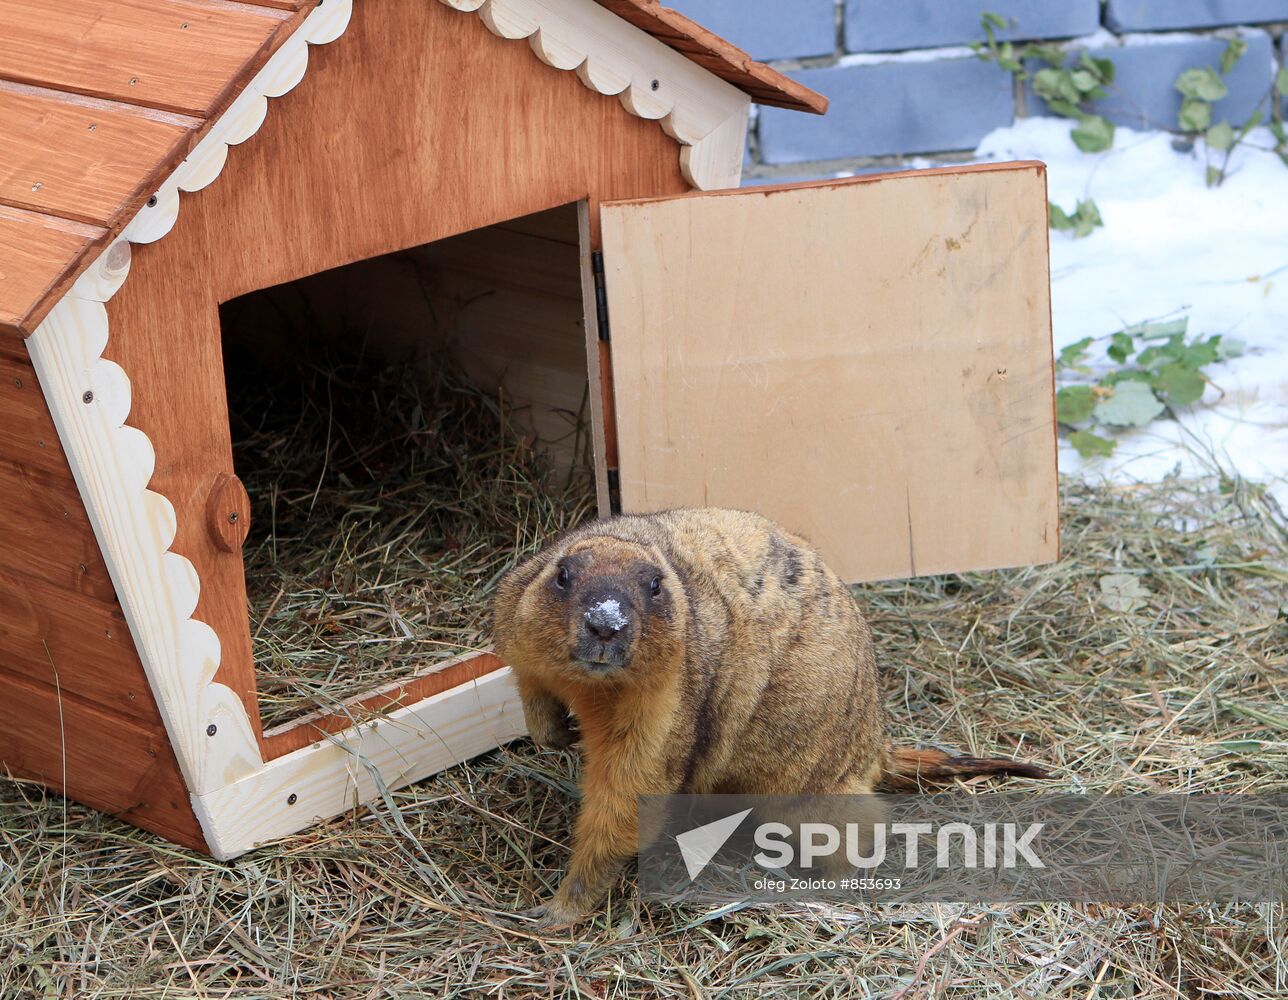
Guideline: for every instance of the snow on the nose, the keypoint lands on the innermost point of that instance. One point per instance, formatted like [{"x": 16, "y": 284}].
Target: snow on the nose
[{"x": 609, "y": 613}]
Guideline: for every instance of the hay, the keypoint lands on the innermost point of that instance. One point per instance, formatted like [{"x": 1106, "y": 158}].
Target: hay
[
  {"x": 386, "y": 504},
  {"x": 1188, "y": 692}
]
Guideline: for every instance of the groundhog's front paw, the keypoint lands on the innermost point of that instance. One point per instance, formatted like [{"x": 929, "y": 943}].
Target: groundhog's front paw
[
  {"x": 554, "y": 914},
  {"x": 548, "y": 724}
]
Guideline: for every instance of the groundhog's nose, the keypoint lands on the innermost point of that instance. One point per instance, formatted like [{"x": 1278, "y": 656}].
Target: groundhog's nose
[{"x": 605, "y": 620}]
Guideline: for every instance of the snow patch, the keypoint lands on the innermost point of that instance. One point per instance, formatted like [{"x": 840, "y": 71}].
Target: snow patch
[
  {"x": 609, "y": 614},
  {"x": 1171, "y": 246}
]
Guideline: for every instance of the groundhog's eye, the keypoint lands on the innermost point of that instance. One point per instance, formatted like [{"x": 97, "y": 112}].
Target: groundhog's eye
[
  {"x": 655, "y": 587},
  {"x": 561, "y": 578}
]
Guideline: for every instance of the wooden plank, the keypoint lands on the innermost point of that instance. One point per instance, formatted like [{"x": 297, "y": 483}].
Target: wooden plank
[
  {"x": 38, "y": 250},
  {"x": 867, "y": 362},
  {"x": 177, "y": 55},
  {"x": 600, "y": 401},
  {"x": 28, "y": 439},
  {"x": 81, "y": 159},
  {"x": 48, "y": 537},
  {"x": 87, "y": 639},
  {"x": 328, "y": 777},
  {"x": 106, "y": 761},
  {"x": 290, "y": 214},
  {"x": 307, "y": 730}
]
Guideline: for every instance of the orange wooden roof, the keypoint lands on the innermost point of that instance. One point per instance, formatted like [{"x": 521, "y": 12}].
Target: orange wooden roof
[{"x": 101, "y": 99}]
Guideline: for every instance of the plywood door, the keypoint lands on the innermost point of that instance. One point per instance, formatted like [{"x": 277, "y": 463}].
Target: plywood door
[{"x": 867, "y": 362}]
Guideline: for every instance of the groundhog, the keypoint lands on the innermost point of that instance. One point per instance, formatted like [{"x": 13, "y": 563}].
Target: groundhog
[{"x": 700, "y": 651}]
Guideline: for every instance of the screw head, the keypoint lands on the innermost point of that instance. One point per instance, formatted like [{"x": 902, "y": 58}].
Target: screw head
[
  {"x": 211, "y": 729},
  {"x": 152, "y": 202},
  {"x": 87, "y": 396},
  {"x": 656, "y": 85},
  {"x": 292, "y": 799},
  {"x": 233, "y": 517}
]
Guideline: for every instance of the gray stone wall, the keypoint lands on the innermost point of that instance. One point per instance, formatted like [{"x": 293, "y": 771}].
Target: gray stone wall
[{"x": 904, "y": 82}]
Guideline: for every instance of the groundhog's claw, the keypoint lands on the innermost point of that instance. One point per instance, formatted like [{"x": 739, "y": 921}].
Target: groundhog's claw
[
  {"x": 551, "y": 915},
  {"x": 547, "y": 721}
]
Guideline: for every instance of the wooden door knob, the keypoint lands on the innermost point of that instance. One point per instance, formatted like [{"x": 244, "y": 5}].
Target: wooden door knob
[{"x": 228, "y": 513}]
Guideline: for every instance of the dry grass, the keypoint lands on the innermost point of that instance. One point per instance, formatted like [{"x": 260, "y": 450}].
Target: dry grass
[
  {"x": 393, "y": 509},
  {"x": 385, "y": 508},
  {"x": 1187, "y": 693}
]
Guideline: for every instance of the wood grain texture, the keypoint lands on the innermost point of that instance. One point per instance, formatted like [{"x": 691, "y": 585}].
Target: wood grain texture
[
  {"x": 48, "y": 537},
  {"x": 867, "y": 362},
  {"x": 28, "y": 439},
  {"x": 38, "y": 252},
  {"x": 326, "y": 778},
  {"x": 441, "y": 677},
  {"x": 178, "y": 55},
  {"x": 289, "y": 212},
  {"x": 228, "y": 513},
  {"x": 649, "y": 78},
  {"x": 87, "y": 639},
  {"x": 80, "y": 160},
  {"x": 117, "y": 765}
]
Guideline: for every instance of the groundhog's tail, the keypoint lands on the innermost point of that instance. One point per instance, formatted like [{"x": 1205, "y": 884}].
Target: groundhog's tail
[{"x": 907, "y": 769}]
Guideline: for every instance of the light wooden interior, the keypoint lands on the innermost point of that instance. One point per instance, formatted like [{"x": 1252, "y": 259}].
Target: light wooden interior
[
  {"x": 868, "y": 362},
  {"x": 503, "y": 305}
]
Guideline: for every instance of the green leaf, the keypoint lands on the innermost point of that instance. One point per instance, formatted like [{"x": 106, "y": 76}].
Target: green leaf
[
  {"x": 1126, "y": 375},
  {"x": 1228, "y": 347},
  {"x": 1160, "y": 331},
  {"x": 1103, "y": 69},
  {"x": 1073, "y": 353},
  {"x": 1121, "y": 347},
  {"x": 1074, "y": 403},
  {"x": 1180, "y": 384},
  {"x": 1123, "y": 592},
  {"x": 1058, "y": 217},
  {"x": 1200, "y": 353},
  {"x": 1052, "y": 55},
  {"x": 1241, "y": 746},
  {"x": 1203, "y": 84},
  {"x": 1281, "y": 82},
  {"x": 990, "y": 19},
  {"x": 1133, "y": 404},
  {"x": 1084, "y": 81},
  {"x": 1220, "y": 136},
  {"x": 1213, "y": 177},
  {"x": 1090, "y": 445},
  {"x": 1064, "y": 109},
  {"x": 1094, "y": 134},
  {"x": 1086, "y": 218},
  {"x": 1055, "y": 85},
  {"x": 1234, "y": 51},
  {"x": 1195, "y": 115}
]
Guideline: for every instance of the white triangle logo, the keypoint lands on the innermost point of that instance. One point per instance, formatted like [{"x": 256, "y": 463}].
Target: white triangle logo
[{"x": 699, "y": 845}]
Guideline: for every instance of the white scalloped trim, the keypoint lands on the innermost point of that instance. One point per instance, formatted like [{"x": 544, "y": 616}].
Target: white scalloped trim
[
  {"x": 113, "y": 462},
  {"x": 702, "y": 112}
]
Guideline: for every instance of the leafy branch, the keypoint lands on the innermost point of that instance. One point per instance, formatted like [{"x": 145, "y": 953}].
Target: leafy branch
[
  {"x": 1201, "y": 88},
  {"x": 1154, "y": 366},
  {"x": 1066, "y": 89}
]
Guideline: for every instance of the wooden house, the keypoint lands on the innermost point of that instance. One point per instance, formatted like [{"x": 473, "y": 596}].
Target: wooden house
[{"x": 867, "y": 361}]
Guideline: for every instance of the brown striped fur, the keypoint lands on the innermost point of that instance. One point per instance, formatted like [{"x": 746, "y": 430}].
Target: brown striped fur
[{"x": 743, "y": 665}]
